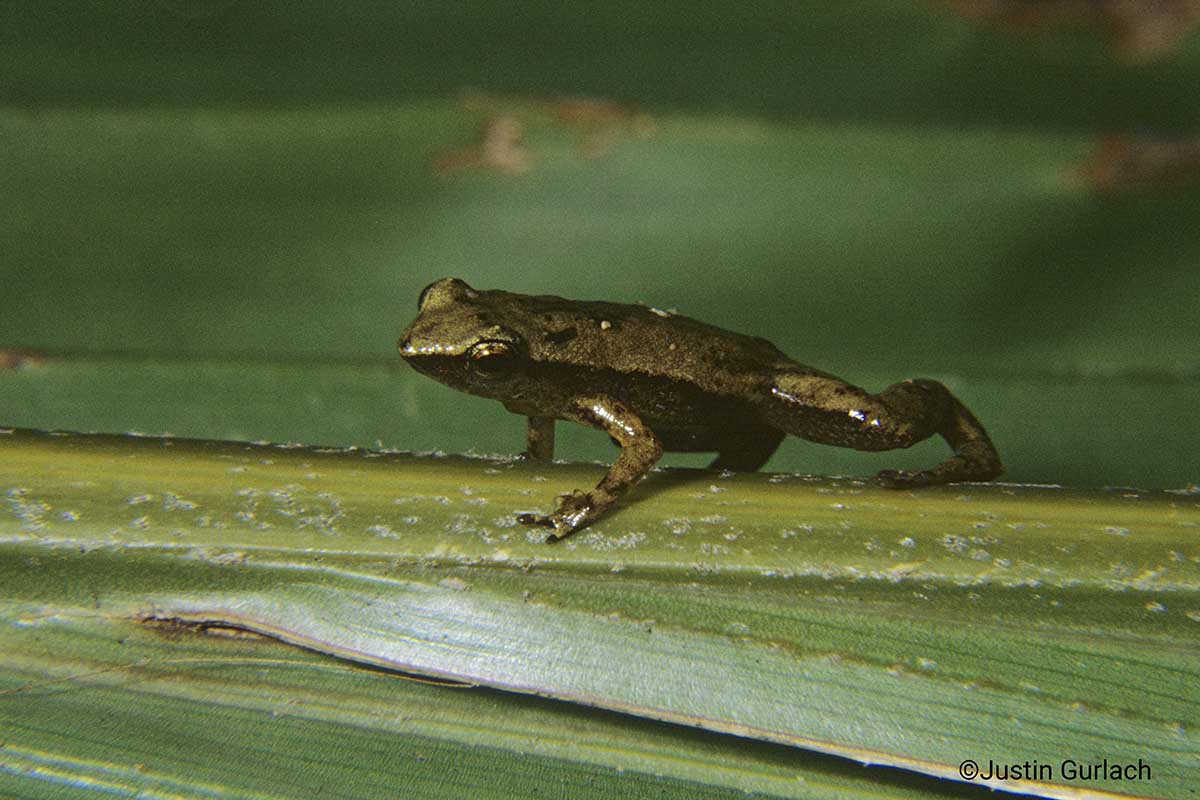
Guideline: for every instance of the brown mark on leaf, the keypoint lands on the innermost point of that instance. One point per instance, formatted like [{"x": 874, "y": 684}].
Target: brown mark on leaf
[
  {"x": 602, "y": 124},
  {"x": 1126, "y": 163},
  {"x": 175, "y": 629},
  {"x": 20, "y": 359},
  {"x": 498, "y": 148},
  {"x": 599, "y": 125},
  {"x": 1139, "y": 31}
]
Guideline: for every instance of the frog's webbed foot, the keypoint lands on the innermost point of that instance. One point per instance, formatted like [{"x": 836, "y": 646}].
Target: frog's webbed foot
[
  {"x": 573, "y": 511},
  {"x": 904, "y": 479},
  {"x": 974, "y": 461}
]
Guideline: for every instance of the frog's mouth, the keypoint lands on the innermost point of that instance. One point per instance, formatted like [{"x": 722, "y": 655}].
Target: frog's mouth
[
  {"x": 433, "y": 362},
  {"x": 430, "y": 363}
]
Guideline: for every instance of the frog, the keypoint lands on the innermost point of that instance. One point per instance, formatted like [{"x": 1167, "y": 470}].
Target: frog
[{"x": 658, "y": 381}]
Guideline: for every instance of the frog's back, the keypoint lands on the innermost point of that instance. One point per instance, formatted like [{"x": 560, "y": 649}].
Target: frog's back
[{"x": 637, "y": 340}]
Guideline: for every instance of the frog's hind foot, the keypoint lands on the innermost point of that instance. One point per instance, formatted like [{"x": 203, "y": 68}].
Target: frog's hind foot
[
  {"x": 975, "y": 457},
  {"x": 902, "y": 479}
]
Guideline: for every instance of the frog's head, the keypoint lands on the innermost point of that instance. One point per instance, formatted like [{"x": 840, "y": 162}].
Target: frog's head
[{"x": 459, "y": 339}]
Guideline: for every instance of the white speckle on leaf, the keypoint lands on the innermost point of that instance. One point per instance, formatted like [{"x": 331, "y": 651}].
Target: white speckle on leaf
[
  {"x": 678, "y": 525},
  {"x": 173, "y": 502},
  {"x": 955, "y": 544}
]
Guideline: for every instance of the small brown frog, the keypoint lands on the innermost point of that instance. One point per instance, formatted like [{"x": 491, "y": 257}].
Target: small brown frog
[{"x": 655, "y": 381}]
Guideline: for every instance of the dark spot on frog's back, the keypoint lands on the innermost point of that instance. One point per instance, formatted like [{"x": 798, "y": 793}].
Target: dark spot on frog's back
[{"x": 561, "y": 336}]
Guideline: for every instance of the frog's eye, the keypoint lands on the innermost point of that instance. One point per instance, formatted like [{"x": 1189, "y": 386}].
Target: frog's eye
[
  {"x": 492, "y": 359},
  {"x": 425, "y": 293},
  {"x": 450, "y": 288}
]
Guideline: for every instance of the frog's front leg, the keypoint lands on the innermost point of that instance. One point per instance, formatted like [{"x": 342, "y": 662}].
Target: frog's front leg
[
  {"x": 640, "y": 450},
  {"x": 539, "y": 439}
]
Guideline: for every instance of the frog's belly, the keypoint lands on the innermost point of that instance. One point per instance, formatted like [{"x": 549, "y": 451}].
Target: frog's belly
[{"x": 690, "y": 421}]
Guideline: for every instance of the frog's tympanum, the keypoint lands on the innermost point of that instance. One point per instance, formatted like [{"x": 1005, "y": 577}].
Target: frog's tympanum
[{"x": 657, "y": 381}]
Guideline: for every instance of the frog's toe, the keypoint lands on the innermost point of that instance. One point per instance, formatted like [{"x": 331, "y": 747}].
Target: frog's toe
[
  {"x": 539, "y": 520},
  {"x": 901, "y": 479},
  {"x": 573, "y": 511},
  {"x": 558, "y": 528}
]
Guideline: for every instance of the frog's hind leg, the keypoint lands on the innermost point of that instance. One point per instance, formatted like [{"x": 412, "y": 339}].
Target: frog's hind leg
[
  {"x": 747, "y": 451},
  {"x": 823, "y": 409},
  {"x": 742, "y": 443}
]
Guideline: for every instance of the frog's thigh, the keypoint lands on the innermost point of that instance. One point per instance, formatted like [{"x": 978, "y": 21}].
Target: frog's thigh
[{"x": 831, "y": 411}]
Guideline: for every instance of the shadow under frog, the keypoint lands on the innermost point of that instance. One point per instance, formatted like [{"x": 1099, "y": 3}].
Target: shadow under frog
[{"x": 657, "y": 381}]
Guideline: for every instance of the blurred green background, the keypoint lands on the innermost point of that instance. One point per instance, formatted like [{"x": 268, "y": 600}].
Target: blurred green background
[{"x": 215, "y": 217}]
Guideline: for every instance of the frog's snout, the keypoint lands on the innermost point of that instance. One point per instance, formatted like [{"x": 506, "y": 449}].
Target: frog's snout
[{"x": 405, "y": 344}]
